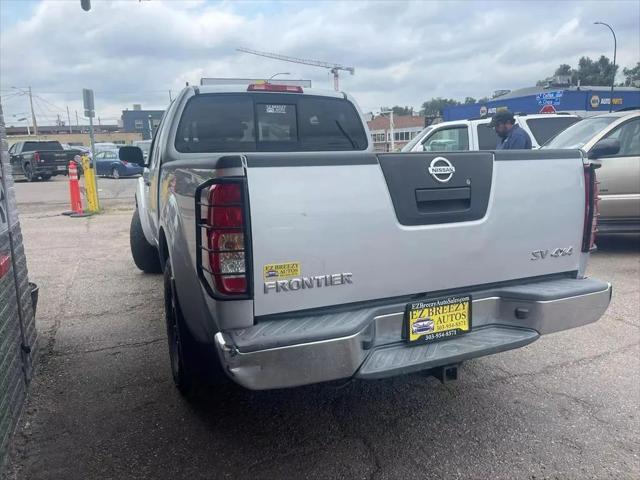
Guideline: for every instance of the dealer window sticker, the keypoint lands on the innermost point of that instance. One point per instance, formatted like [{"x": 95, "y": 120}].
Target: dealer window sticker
[{"x": 276, "y": 109}]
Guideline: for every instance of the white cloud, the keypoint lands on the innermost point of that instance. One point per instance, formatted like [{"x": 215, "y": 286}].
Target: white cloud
[{"x": 404, "y": 53}]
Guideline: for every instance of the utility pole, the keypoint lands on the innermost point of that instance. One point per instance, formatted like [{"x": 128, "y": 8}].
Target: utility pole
[
  {"x": 33, "y": 115},
  {"x": 69, "y": 119},
  {"x": 77, "y": 121},
  {"x": 393, "y": 134},
  {"x": 150, "y": 129},
  {"x": 391, "y": 128},
  {"x": 170, "y": 99}
]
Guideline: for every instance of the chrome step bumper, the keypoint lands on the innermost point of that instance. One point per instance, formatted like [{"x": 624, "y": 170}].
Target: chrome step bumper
[
  {"x": 367, "y": 343},
  {"x": 399, "y": 359}
]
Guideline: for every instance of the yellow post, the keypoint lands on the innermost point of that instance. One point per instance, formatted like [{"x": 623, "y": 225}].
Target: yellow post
[{"x": 90, "y": 185}]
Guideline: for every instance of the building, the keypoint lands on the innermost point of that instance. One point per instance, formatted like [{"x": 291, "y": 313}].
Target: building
[
  {"x": 405, "y": 127},
  {"x": 19, "y": 134},
  {"x": 141, "y": 121},
  {"x": 580, "y": 100}
]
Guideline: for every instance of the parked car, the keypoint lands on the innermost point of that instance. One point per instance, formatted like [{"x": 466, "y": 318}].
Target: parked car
[
  {"x": 297, "y": 255},
  {"x": 476, "y": 134},
  {"x": 614, "y": 140},
  {"x": 105, "y": 146},
  {"x": 40, "y": 159},
  {"x": 108, "y": 163}
]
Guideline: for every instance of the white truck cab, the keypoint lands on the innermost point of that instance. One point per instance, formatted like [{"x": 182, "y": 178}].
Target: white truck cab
[{"x": 476, "y": 134}]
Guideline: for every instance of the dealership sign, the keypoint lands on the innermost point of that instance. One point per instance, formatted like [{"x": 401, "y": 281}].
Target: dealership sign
[{"x": 549, "y": 98}]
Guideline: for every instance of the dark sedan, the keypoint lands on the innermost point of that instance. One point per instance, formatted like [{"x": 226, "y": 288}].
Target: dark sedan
[{"x": 108, "y": 164}]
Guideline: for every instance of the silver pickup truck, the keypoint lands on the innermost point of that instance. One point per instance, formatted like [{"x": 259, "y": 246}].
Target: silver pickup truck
[{"x": 292, "y": 254}]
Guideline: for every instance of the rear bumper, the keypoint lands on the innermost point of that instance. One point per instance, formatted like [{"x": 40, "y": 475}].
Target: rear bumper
[
  {"x": 52, "y": 170},
  {"x": 621, "y": 225},
  {"x": 367, "y": 343}
]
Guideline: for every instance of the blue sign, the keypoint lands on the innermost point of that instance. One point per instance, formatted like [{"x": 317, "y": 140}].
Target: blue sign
[{"x": 549, "y": 98}]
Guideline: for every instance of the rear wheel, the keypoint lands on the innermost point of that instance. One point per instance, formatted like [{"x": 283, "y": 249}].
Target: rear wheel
[
  {"x": 115, "y": 173},
  {"x": 181, "y": 345},
  {"x": 46, "y": 177},
  {"x": 28, "y": 173},
  {"x": 145, "y": 255},
  {"x": 193, "y": 365}
]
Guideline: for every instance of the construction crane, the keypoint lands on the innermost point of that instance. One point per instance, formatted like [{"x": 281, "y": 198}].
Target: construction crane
[{"x": 334, "y": 68}]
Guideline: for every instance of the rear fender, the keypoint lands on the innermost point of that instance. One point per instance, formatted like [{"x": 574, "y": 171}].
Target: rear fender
[
  {"x": 141, "y": 202},
  {"x": 194, "y": 308}
]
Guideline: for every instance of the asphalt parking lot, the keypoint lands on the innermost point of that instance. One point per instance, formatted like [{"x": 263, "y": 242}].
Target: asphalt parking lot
[{"x": 102, "y": 404}]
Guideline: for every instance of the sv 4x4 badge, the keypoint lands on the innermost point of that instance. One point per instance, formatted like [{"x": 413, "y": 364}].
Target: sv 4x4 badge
[{"x": 556, "y": 252}]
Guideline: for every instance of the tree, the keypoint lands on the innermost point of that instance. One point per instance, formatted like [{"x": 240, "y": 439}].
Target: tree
[
  {"x": 436, "y": 105},
  {"x": 483, "y": 100},
  {"x": 599, "y": 72},
  {"x": 468, "y": 100},
  {"x": 398, "y": 110},
  {"x": 631, "y": 75},
  {"x": 564, "y": 69}
]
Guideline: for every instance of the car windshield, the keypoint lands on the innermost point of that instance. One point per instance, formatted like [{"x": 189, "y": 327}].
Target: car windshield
[
  {"x": 416, "y": 139},
  {"x": 578, "y": 134}
]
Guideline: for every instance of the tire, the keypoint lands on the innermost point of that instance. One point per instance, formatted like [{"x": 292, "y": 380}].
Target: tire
[
  {"x": 28, "y": 173},
  {"x": 46, "y": 177},
  {"x": 182, "y": 347},
  {"x": 193, "y": 365},
  {"x": 115, "y": 173},
  {"x": 145, "y": 255}
]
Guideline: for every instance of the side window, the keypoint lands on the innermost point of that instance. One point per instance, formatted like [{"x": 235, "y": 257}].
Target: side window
[
  {"x": 153, "y": 153},
  {"x": 12, "y": 149},
  {"x": 99, "y": 156},
  {"x": 487, "y": 138},
  {"x": 629, "y": 136},
  {"x": 447, "y": 140}
]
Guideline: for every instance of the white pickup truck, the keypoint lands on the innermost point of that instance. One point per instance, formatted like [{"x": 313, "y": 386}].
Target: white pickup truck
[
  {"x": 476, "y": 134},
  {"x": 293, "y": 254}
]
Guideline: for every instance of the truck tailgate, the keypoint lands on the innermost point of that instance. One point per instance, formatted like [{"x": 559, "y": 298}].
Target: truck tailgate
[{"x": 383, "y": 226}]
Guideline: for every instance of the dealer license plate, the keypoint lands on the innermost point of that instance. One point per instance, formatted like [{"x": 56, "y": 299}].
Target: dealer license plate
[{"x": 436, "y": 319}]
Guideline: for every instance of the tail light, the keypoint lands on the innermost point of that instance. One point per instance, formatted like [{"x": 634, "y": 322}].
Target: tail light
[
  {"x": 591, "y": 208},
  {"x": 124, "y": 162},
  {"x": 36, "y": 157},
  {"x": 225, "y": 231},
  {"x": 270, "y": 87}
]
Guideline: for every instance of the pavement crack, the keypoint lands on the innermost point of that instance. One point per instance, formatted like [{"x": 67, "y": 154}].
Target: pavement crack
[
  {"x": 568, "y": 363},
  {"x": 112, "y": 347}
]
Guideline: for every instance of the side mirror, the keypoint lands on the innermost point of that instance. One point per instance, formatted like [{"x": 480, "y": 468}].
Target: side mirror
[
  {"x": 605, "y": 147},
  {"x": 131, "y": 155}
]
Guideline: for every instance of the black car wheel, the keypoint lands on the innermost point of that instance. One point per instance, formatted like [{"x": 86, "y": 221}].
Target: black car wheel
[
  {"x": 181, "y": 345},
  {"x": 46, "y": 177},
  {"x": 145, "y": 255},
  {"x": 28, "y": 173}
]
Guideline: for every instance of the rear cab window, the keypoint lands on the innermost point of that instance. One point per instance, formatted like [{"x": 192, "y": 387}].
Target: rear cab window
[
  {"x": 33, "y": 146},
  {"x": 266, "y": 122},
  {"x": 544, "y": 129}
]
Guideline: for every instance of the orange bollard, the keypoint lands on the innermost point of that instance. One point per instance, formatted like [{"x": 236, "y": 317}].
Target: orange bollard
[
  {"x": 74, "y": 188},
  {"x": 74, "y": 192}
]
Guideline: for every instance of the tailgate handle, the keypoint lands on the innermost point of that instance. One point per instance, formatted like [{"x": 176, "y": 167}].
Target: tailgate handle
[{"x": 440, "y": 200}]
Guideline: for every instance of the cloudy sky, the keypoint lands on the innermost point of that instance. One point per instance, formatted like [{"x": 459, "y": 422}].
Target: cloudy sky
[{"x": 404, "y": 53}]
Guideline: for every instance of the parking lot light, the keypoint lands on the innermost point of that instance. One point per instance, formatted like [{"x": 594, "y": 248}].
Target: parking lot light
[{"x": 615, "y": 47}]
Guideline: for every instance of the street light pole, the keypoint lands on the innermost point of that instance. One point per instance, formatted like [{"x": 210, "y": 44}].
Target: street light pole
[
  {"x": 276, "y": 74},
  {"x": 615, "y": 48}
]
